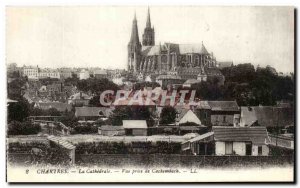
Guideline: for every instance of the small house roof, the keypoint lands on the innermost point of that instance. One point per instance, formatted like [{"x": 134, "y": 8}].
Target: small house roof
[
  {"x": 256, "y": 135},
  {"x": 80, "y": 95},
  {"x": 57, "y": 105},
  {"x": 134, "y": 124},
  {"x": 92, "y": 111},
  {"x": 192, "y": 81},
  {"x": 181, "y": 112},
  {"x": 100, "y": 71},
  {"x": 203, "y": 105},
  {"x": 223, "y": 105}
]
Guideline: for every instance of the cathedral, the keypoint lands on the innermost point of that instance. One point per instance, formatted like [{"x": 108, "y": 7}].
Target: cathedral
[{"x": 188, "y": 61}]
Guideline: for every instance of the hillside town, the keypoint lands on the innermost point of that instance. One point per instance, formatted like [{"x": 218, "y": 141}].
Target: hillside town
[{"x": 201, "y": 107}]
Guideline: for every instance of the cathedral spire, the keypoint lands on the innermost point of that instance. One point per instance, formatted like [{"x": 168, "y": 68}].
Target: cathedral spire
[
  {"x": 148, "y": 24},
  {"x": 134, "y": 39},
  {"x": 149, "y": 35}
]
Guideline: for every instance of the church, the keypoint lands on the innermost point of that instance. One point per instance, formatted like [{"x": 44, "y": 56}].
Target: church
[{"x": 187, "y": 61}]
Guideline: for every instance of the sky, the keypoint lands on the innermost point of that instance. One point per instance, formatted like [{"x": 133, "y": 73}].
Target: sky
[{"x": 97, "y": 36}]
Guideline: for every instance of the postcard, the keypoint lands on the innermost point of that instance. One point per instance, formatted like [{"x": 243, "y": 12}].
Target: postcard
[{"x": 156, "y": 94}]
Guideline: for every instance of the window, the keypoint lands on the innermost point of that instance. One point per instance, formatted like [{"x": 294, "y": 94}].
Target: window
[
  {"x": 259, "y": 150},
  {"x": 228, "y": 148}
]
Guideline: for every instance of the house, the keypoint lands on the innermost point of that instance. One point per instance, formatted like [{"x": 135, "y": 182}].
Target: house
[
  {"x": 84, "y": 74},
  {"x": 185, "y": 116},
  {"x": 109, "y": 130},
  {"x": 92, "y": 113},
  {"x": 224, "y": 113},
  {"x": 79, "y": 99},
  {"x": 241, "y": 141},
  {"x": 168, "y": 80},
  {"x": 229, "y": 141},
  {"x": 135, "y": 127},
  {"x": 48, "y": 73},
  {"x": 30, "y": 71},
  {"x": 203, "y": 112},
  {"x": 65, "y": 73},
  {"x": 61, "y": 107},
  {"x": 100, "y": 74}
]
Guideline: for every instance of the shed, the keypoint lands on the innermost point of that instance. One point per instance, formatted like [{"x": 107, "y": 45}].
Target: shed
[
  {"x": 241, "y": 140},
  {"x": 108, "y": 130},
  {"x": 135, "y": 127}
]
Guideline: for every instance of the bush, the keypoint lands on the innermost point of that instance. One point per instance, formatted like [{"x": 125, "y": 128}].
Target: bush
[
  {"x": 84, "y": 129},
  {"x": 130, "y": 148},
  {"x": 17, "y": 147},
  {"x": 23, "y": 128}
]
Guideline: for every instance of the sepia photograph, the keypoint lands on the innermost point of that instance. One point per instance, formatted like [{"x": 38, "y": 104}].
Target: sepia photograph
[{"x": 160, "y": 94}]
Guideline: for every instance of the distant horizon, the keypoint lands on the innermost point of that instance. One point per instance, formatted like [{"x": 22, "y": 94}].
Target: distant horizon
[{"x": 89, "y": 37}]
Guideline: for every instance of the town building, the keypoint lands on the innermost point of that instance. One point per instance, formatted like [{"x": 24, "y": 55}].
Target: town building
[
  {"x": 92, "y": 113},
  {"x": 187, "y": 116},
  {"x": 84, "y": 74},
  {"x": 224, "y": 113},
  {"x": 65, "y": 73},
  {"x": 48, "y": 73},
  {"x": 100, "y": 73},
  {"x": 61, "y": 107},
  {"x": 218, "y": 113},
  {"x": 166, "y": 80},
  {"x": 241, "y": 141},
  {"x": 79, "y": 99},
  {"x": 31, "y": 72}
]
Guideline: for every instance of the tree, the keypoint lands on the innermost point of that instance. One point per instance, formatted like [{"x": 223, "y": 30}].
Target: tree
[
  {"x": 69, "y": 119},
  {"x": 18, "y": 111},
  {"x": 23, "y": 128},
  {"x": 129, "y": 113},
  {"x": 142, "y": 85},
  {"x": 208, "y": 91},
  {"x": 168, "y": 115},
  {"x": 84, "y": 129},
  {"x": 96, "y": 86},
  {"x": 15, "y": 88},
  {"x": 119, "y": 114}
]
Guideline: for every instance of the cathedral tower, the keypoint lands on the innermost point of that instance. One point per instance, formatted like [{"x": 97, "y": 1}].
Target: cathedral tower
[
  {"x": 134, "y": 48},
  {"x": 148, "y": 36}
]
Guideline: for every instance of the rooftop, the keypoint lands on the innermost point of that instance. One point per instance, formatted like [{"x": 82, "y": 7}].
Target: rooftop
[
  {"x": 256, "y": 135},
  {"x": 135, "y": 124}
]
